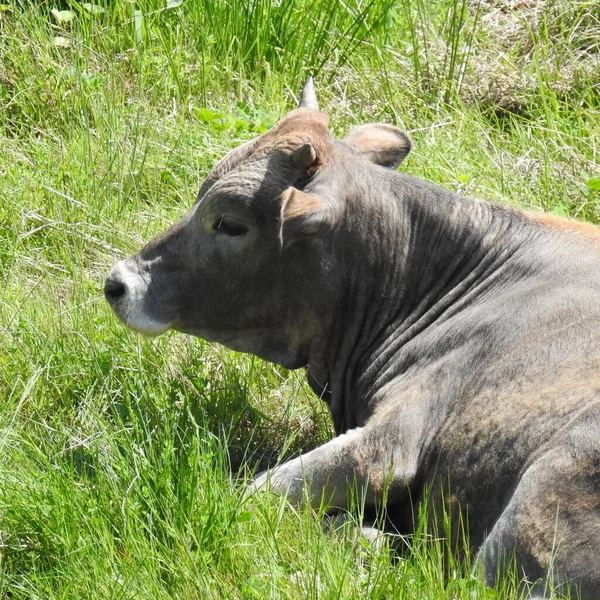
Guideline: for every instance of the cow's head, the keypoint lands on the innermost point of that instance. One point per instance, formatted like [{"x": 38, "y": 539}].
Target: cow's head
[{"x": 254, "y": 264}]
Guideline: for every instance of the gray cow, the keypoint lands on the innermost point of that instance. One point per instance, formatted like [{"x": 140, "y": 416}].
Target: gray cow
[{"x": 457, "y": 343}]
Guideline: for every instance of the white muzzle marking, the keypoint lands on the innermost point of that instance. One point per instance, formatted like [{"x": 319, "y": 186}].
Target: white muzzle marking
[{"x": 130, "y": 307}]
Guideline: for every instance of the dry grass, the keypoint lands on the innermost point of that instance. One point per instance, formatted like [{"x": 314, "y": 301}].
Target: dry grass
[{"x": 526, "y": 45}]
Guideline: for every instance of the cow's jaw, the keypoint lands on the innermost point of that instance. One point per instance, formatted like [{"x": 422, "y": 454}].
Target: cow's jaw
[
  {"x": 130, "y": 289},
  {"x": 126, "y": 289}
]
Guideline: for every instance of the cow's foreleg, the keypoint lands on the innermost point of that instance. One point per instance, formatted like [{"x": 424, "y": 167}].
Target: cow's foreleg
[{"x": 355, "y": 460}]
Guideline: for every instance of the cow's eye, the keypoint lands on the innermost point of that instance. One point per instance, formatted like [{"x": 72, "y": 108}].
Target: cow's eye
[{"x": 229, "y": 227}]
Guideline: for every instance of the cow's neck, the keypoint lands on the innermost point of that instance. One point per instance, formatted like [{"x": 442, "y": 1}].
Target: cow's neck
[{"x": 435, "y": 248}]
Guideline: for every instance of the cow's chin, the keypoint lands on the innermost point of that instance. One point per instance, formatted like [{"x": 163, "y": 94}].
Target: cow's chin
[
  {"x": 149, "y": 330},
  {"x": 142, "y": 323}
]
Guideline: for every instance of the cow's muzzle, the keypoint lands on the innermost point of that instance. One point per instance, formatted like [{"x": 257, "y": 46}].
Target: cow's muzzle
[
  {"x": 127, "y": 291},
  {"x": 122, "y": 282}
]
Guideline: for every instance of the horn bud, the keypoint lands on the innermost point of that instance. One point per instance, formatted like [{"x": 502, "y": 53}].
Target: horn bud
[
  {"x": 308, "y": 98},
  {"x": 304, "y": 156}
]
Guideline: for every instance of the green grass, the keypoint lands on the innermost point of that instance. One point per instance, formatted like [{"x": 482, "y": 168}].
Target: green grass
[{"x": 123, "y": 460}]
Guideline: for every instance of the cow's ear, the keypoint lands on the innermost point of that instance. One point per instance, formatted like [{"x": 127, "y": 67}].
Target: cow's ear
[
  {"x": 302, "y": 215},
  {"x": 383, "y": 144}
]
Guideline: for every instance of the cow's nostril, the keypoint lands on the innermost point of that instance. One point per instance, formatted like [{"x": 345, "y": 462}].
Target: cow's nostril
[{"x": 114, "y": 289}]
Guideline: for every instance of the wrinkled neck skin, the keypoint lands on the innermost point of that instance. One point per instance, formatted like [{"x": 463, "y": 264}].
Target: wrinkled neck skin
[{"x": 434, "y": 250}]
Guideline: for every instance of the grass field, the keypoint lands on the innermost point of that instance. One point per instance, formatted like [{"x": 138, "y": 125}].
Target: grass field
[{"x": 123, "y": 460}]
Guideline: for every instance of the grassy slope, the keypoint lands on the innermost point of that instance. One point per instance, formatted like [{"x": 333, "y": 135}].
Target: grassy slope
[{"x": 116, "y": 452}]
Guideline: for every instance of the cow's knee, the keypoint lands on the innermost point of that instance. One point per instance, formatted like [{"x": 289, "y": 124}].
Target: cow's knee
[
  {"x": 551, "y": 539},
  {"x": 322, "y": 474}
]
